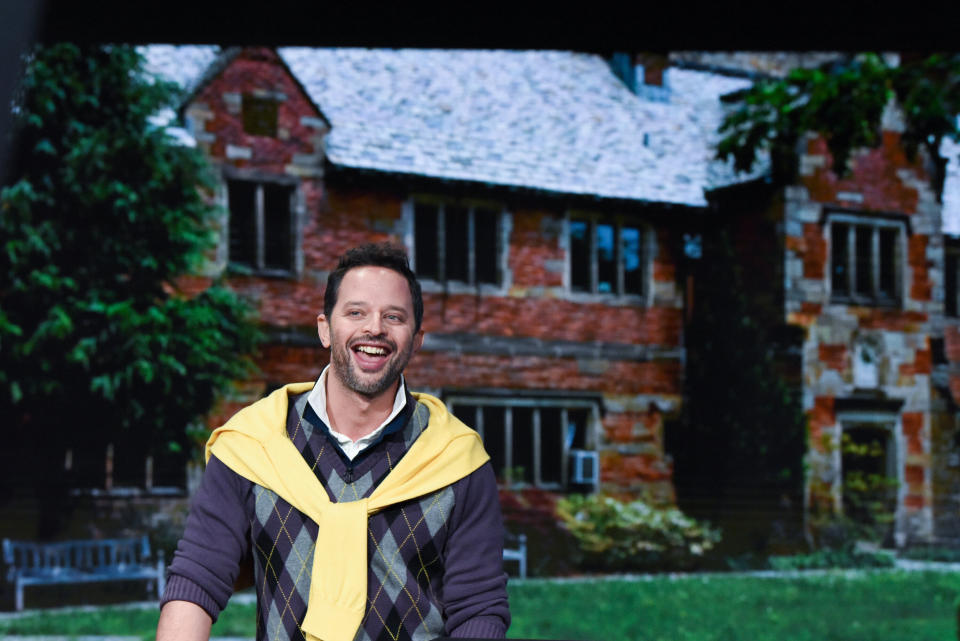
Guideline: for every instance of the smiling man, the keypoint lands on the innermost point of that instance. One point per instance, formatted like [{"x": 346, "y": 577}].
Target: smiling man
[{"x": 370, "y": 512}]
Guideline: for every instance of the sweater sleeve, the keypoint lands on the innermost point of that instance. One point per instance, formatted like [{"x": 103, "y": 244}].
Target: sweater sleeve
[
  {"x": 215, "y": 540},
  {"x": 474, "y": 592}
]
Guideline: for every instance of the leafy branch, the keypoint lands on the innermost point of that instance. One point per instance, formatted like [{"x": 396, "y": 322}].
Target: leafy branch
[{"x": 843, "y": 102}]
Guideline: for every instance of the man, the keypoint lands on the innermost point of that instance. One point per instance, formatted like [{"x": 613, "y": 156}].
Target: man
[{"x": 370, "y": 512}]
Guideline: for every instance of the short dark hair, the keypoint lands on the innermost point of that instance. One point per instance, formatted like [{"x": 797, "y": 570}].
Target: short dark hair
[{"x": 386, "y": 255}]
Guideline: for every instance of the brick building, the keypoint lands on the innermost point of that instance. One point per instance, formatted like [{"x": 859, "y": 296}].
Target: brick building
[{"x": 549, "y": 209}]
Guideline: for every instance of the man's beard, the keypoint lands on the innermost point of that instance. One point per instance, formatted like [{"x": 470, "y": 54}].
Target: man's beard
[{"x": 344, "y": 367}]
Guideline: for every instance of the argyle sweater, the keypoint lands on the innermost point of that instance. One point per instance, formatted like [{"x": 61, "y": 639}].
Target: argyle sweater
[{"x": 434, "y": 563}]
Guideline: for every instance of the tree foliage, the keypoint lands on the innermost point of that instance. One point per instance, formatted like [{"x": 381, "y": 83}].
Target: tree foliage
[
  {"x": 844, "y": 102},
  {"x": 103, "y": 214}
]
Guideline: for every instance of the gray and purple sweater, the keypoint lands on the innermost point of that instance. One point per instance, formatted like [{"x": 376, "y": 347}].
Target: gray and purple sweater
[{"x": 434, "y": 563}]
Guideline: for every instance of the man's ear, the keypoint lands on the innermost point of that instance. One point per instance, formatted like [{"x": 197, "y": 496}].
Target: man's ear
[
  {"x": 323, "y": 330},
  {"x": 417, "y": 341}
]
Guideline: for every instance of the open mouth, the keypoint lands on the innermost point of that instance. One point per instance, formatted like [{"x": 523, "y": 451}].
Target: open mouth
[{"x": 371, "y": 356}]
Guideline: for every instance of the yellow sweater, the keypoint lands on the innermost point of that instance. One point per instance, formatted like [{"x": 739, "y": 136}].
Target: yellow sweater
[{"x": 255, "y": 445}]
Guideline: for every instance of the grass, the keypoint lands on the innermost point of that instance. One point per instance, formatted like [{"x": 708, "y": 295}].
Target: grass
[{"x": 881, "y": 605}]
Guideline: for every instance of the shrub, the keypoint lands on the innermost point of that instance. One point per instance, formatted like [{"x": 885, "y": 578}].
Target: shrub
[
  {"x": 828, "y": 558},
  {"x": 932, "y": 553},
  {"x": 620, "y": 535},
  {"x": 550, "y": 547}
]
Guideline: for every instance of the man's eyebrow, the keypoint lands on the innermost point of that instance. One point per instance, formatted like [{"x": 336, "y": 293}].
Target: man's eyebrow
[{"x": 361, "y": 303}]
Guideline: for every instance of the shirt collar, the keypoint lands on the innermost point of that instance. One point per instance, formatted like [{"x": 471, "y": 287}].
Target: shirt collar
[{"x": 318, "y": 401}]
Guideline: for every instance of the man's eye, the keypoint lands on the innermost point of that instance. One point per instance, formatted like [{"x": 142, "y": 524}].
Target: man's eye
[
  {"x": 394, "y": 317},
  {"x": 353, "y": 313}
]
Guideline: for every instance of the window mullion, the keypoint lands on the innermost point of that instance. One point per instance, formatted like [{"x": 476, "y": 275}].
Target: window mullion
[
  {"x": 471, "y": 247},
  {"x": 260, "y": 222},
  {"x": 875, "y": 261},
  {"x": 594, "y": 258},
  {"x": 294, "y": 219},
  {"x": 852, "y": 260},
  {"x": 619, "y": 256},
  {"x": 565, "y": 446},
  {"x": 536, "y": 446},
  {"x": 508, "y": 441}
]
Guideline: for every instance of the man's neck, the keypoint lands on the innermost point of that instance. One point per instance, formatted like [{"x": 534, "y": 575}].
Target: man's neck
[{"x": 356, "y": 415}]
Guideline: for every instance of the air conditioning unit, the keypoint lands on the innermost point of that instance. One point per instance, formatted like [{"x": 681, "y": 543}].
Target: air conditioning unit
[{"x": 584, "y": 467}]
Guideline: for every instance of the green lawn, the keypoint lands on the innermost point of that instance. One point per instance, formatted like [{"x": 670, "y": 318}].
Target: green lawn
[{"x": 876, "y": 606}]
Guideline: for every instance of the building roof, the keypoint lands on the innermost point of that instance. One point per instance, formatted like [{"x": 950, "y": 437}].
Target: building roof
[
  {"x": 185, "y": 65},
  {"x": 547, "y": 120}
]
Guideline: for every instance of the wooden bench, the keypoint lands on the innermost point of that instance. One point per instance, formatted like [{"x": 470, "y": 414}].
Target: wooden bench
[
  {"x": 518, "y": 554},
  {"x": 68, "y": 562}
]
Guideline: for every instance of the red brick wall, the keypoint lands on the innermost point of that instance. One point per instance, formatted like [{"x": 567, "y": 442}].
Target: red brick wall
[
  {"x": 875, "y": 176},
  {"x": 256, "y": 69},
  {"x": 880, "y": 181}
]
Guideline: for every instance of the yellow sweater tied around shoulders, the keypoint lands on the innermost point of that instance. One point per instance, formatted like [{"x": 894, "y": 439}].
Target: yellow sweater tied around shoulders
[{"x": 255, "y": 445}]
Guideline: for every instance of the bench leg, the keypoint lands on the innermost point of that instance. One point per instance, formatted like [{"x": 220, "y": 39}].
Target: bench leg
[
  {"x": 161, "y": 579},
  {"x": 18, "y": 598}
]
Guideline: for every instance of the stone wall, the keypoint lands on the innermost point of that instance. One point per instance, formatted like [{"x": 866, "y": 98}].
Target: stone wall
[{"x": 867, "y": 362}]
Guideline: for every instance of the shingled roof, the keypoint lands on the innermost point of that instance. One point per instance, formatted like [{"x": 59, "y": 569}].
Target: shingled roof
[
  {"x": 550, "y": 120},
  {"x": 547, "y": 120}
]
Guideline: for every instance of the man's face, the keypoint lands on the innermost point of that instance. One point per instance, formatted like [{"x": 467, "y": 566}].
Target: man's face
[{"x": 370, "y": 331}]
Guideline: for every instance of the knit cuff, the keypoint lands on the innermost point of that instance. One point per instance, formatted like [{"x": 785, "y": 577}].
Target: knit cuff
[
  {"x": 180, "y": 588},
  {"x": 483, "y": 627}
]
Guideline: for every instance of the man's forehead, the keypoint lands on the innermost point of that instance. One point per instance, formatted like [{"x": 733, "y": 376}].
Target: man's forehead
[{"x": 382, "y": 284}]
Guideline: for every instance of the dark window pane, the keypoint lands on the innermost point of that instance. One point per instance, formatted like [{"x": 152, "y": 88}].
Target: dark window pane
[
  {"x": 425, "y": 239},
  {"x": 522, "y": 444},
  {"x": 277, "y": 248},
  {"x": 950, "y": 284},
  {"x": 606, "y": 259},
  {"x": 259, "y": 116},
  {"x": 632, "y": 260},
  {"x": 467, "y": 414},
  {"x": 457, "y": 246},
  {"x": 551, "y": 445},
  {"x": 576, "y": 435},
  {"x": 243, "y": 228},
  {"x": 485, "y": 248},
  {"x": 864, "y": 267},
  {"x": 580, "y": 255},
  {"x": 839, "y": 263},
  {"x": 494, "y": 439},
  {"x": 888, "y": 263}
]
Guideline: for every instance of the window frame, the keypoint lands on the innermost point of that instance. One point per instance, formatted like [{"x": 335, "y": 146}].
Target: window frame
[
  {"x": 875, "y": 222},
  {"x": 260, "y": 181},
  {"x": 537, "y": 403},
  {"x": 618, "y": 221},
  {"x": 501, "y": 235},
  {"x": 881, "y": 421}
]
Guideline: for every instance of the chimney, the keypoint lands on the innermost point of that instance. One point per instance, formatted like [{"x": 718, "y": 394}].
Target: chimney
[{"x": 652, "y": 66}]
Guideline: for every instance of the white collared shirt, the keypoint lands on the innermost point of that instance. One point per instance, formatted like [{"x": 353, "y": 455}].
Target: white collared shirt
[{"x": 318, "y": 401}]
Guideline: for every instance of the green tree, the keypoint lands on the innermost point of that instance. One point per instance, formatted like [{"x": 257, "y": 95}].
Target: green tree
[
  {"x": 102, "y": 214},
  {"x": 844, "y": 101}
]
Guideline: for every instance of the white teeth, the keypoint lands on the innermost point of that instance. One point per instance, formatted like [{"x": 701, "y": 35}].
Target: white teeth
[{"x": 378, "y": 351}]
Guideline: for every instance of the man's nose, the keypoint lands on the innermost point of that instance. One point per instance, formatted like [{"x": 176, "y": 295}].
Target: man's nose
[{"x": 373, "y": 325}]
